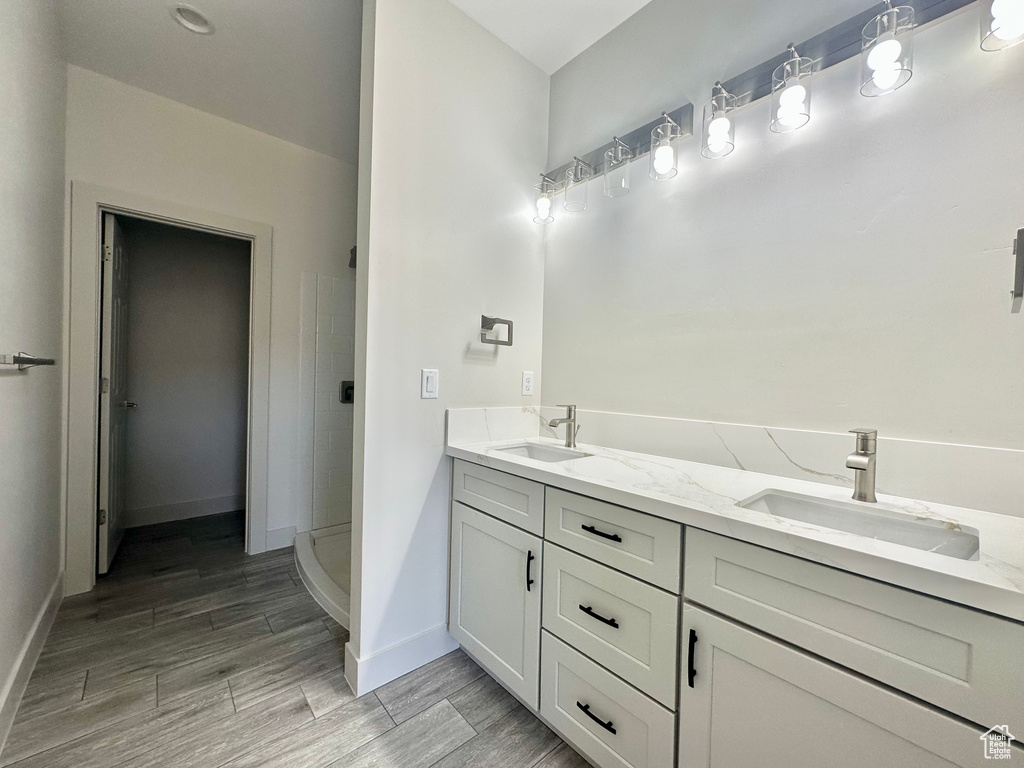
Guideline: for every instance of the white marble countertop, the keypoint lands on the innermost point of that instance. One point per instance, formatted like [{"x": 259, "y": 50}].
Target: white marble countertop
[{"x": 705, "y": 496}]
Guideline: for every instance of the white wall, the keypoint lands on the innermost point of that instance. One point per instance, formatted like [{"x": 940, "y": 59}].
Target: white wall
[
  {"x": 856, "y": 273},
  {"x": 188, "y": 370},
  {"x": 32, "y": 91},
  {"x": 458, "y": 135},
  {"x": 121, "y": 137}
]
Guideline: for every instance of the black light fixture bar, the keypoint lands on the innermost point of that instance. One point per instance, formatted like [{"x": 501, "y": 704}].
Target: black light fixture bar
[
  {"x": 833, "y": 46},
  {"x": 638, "y": 141}
]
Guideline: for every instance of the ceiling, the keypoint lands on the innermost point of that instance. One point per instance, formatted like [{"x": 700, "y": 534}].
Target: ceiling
[
  {"x": 289, "y": 69},
  {"x": 550, "y": 33}
]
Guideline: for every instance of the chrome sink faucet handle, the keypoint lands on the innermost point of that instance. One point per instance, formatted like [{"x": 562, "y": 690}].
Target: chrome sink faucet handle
[
  {"x": 571, "y": 429},
  {"x": 863, "y": 462}
]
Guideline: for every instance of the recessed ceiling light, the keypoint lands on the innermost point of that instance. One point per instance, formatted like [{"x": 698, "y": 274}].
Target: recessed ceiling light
[{"x": 191, "y": 19}]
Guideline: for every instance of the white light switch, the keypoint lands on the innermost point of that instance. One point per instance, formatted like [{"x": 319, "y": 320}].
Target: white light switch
[
  {"x": 428, "y": 384},
  {"x": 527, "y": 382}
]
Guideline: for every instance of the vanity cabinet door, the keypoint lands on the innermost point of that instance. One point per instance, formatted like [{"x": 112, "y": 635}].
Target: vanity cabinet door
[
  {"x": 494, "y": 598},
  {"x": 755, "y": 701}
]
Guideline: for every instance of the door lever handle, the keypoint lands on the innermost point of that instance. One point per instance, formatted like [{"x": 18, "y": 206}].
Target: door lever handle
[{"x": 128, "y": 404}]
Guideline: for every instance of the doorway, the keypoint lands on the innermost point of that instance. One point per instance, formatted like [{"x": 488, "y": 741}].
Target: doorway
[
  {"x": 83, "y": 294},
  {"x": 174, "y": 362}
]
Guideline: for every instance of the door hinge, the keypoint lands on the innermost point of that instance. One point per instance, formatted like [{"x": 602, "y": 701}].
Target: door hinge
[
  {"x": 107, "y": 254},
  {"x": 103, "y": 517},
  {"x": 104, "y": 385}
]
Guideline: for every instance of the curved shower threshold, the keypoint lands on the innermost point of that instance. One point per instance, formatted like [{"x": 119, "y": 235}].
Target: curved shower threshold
[{"x": 323, "y": 559}]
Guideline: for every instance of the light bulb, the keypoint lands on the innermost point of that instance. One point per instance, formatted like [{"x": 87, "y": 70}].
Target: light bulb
[
  {"x": 885, "y": 78},
  {"x": 719, "y": 126},
  {"x": 790, "y": 117},
  {"x": 1009, "y": 12},
  {"x": 543, "y": 208},
  {"x": 1007, "y": 29},
  {"x": 664, "y": 159},
  {"x": 717, "y": 143},
  {"x": 792, "y": 97},
  {"x": 884, "y": 55}
]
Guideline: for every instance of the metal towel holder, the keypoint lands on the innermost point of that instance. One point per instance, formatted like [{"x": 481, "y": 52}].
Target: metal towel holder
[
  {"x": 488, "y": 323},
  {"x": 24, "y": 360}
]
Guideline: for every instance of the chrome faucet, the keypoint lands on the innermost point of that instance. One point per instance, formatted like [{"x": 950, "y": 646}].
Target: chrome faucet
[
  {"x": 863, "y": 461},
  {"x": 570, "y": 425}
]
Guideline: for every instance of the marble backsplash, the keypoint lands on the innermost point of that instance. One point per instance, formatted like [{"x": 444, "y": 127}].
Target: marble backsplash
[{"x": 976, "y": 477}]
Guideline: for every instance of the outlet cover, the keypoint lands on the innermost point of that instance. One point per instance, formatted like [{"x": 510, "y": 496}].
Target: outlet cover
[{"x": 527, "y": 382}]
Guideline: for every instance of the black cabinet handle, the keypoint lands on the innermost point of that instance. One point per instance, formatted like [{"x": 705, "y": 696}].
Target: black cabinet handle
[
  {"x": 586, "y": 710},
  {"x": 590, "y": 612},
  {"x": 602, "y": 534},
  {"x": 691, "y": 672},
  {"x": 529, "y": 562}
]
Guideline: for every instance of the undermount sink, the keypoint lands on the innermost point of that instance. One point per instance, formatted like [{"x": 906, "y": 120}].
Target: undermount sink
[
  {"x": 549, "y": 453},
  {"x": 942, "y": 538}
]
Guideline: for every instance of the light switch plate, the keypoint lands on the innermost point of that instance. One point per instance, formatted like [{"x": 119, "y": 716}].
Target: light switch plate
[
  {"x": 428, "y": 384},
  {"x": 527, "y": 382}
]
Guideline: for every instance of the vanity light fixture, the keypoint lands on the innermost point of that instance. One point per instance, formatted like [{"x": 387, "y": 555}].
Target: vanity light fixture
[
  {"x": 616, "y": 169},
  {"x": 791, "y": 93},
  {"x": 664, "y": 148},
  {"x": 1002, "y": 24},
  {"x": 545, "y": 191},
  {"x": 719, "y": 132},
  {"x": 887, "y": 50},
  {"x": 576, "y": 181}
]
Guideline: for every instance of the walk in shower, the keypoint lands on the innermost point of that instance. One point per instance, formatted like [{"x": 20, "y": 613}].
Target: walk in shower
[{"x": 323, "y": 553}]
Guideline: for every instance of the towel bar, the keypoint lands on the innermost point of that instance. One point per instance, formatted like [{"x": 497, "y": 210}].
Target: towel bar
[
  {"x": 24, "y": 360},
  {"x": 488, "y": 323}
]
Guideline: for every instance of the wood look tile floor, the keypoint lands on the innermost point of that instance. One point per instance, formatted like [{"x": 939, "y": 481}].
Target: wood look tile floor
[{"x": 191, "y": 653}]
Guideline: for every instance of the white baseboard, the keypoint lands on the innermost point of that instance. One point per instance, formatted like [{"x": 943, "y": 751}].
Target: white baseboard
[
  {"x": 279, "y": 538},
  {"x": 371, "y": 672},
  {"x": 17, "y": 680},
  {"x": 184, "y": 510}
]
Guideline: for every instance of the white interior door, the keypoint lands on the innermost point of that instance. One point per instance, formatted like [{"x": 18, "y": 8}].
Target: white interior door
[{"x": 113, "y": 394}]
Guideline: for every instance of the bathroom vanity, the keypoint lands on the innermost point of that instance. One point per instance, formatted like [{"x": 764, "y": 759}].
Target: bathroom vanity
[{"x": 661, "y": 613}]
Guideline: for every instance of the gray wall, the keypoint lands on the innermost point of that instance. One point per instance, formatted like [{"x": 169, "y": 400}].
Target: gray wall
[
  {"x": 188, "y": 369},
  {"x": 854, "y": 273},
  {"x": 32, "y": 91}
]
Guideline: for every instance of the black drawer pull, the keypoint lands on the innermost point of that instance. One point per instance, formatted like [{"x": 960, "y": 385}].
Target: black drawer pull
[
  {"x": 691, "y": 672},
  {"x": 602, "y": 534},
  {"x": 590, "y": 612},
  {"x": 529, "y": 562},
  {"x": 586, "y": 710}
]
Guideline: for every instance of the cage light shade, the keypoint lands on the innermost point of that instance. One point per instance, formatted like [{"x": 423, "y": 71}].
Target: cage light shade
[
  {"x": 791, "y": 93},
  {"x": 718, "y": 137},
  {"x": 576, "y": 186},
  {"x": 665, "y": 149},
  {"x": 887, "y": 51},
  {"x": 1002, "y": 24},
  {"x": 616, "y": 170}
]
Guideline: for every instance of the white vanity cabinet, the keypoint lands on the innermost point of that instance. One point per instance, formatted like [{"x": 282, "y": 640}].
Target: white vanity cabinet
[
  {"x": 645, "y": 648},
  {"x": 754, "y": 701},
  {"x": 494, "y": 598}
]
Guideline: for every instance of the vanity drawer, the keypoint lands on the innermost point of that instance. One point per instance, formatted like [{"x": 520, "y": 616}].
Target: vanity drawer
[
  {"x": 645, "y": 546},
  {"x": 513, "y": 499},
  {"x": 611, "y": 723},
  {"x": 628, "y": 626},
  {"x": 964, "y": 661}
]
